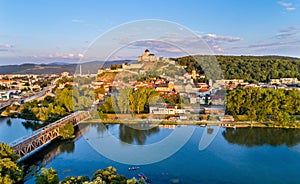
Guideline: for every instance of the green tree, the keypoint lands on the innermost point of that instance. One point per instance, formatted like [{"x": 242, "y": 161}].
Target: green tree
[
  {"x": 10, "y": 171},
  {"x": 47, "y": 176},
  {"x": 67, "y": 131}
]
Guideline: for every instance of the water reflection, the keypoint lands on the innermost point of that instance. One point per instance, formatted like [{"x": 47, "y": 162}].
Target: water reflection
[
  {"x": 262, "y": 136},
  {"x": 32, "y": 125},
  {"x": 136, "y": 133},
  {"x": 48, "y": 153},
  {"x": 8, "y": 122}
]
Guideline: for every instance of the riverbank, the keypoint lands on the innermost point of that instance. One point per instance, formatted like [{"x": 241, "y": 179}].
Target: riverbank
[{"x": 239, "y": 124}]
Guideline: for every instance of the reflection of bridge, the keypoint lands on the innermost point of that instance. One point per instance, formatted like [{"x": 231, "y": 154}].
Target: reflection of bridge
[{"x": 42, "y": 136}]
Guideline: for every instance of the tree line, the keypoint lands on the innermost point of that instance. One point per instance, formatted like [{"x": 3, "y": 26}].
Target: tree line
[
  {"x": 50, "y": 109},
  {"x": 264, "y": 104},
  {"x": 249, "y": 68},
  {"x": 128, "y": 100}
]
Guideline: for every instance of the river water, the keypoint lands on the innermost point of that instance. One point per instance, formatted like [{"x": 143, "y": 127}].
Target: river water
[{"x": 248, "y": 155}]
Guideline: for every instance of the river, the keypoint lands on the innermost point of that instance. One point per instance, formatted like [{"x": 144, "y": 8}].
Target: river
[{"x": 248, "y": 155}]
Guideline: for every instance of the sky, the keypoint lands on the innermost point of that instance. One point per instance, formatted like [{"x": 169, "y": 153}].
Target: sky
[{"x": 35, "y": 31}]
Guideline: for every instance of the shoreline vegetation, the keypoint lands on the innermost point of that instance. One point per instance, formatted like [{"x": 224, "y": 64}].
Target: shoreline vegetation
[{"x": 236, "y": 124}]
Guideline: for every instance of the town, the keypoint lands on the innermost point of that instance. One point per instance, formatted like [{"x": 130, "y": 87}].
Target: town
[{"x": 177, "y": 95}]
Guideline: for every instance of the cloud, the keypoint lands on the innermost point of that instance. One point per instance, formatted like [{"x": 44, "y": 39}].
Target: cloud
[
  {"x": 220, "y": 38},
  {"x": 218, "y": 49},
  {"x": 288, "y": 33},
  {"x": 179, "y": 42},
  {"x": 290, "y": 8},
  {"x": 285, "y": 42},
  {"x": 77, "y": 21},
  {"x": 64, "y": 56},
  {"x": 157, "y": 46},
  {"x": 218, "y": 42},
  {"x": 5, "y": 47},
  {"x": 286, "y": 5}
]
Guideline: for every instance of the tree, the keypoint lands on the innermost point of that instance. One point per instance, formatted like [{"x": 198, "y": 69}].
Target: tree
[
  {"x": 47, "y": 176},
  {"x": 263, "y": 105},
  {"x": 10, "y": 171},
  {"x": 123, "y": 100},
  {"x": 67, "y": 131},
  {"x": 109, "y": 175}
]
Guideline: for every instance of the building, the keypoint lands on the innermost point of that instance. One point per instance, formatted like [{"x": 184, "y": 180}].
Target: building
[
  {"x": 132, "y": 66},
  {"x": 227, "y": 118},
  {"x": 164, "y": 87},
  {"x": 147, "y": 57},
  {"x": 284, "y": 81},
  {"x": 4, "y": 95},
  {"x": 165, "y": 110},
  {"x": 214, "y": 110},
  {"x": 229, "y": 81},
  {"x": 65, "y": 74}
]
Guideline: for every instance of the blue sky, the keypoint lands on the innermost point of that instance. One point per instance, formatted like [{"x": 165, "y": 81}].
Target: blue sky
[{"x": 61, "y": 30}]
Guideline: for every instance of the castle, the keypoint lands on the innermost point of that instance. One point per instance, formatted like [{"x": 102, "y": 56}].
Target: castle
[{"x": 147, "y": 57}]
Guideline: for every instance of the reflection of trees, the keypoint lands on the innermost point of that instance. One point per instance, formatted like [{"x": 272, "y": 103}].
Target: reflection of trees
[
  {"x": 260, "y": 136},
  {"x": 8, "y": 122},
  {"x": 136, "y": 133},
  {"x": 101, "y": 128},
  {"x": 33, "y": 125}
]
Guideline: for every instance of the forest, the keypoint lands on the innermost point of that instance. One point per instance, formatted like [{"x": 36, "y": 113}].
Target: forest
[
  {"x": 264, "y": 104},
  {"x": 250, "y": 68}
]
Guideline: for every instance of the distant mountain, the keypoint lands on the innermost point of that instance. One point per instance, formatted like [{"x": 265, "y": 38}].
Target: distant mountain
[
  {"x": 58, "y": 63},
  {"x": 58, "y": 67}
]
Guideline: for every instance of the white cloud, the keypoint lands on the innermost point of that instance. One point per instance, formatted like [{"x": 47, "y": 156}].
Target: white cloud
[
  {"x": 6, "y": 46},
  {"x": 77, "y": 21},
  {"x": 286, "y": 5},
  {"x": 80, "y": 55},
  {"x": 218, "y": 49},
  {"x": 290, "y": 9},
  {"x": 63, "y": 56},
  {"x": 220, "y": 38}
]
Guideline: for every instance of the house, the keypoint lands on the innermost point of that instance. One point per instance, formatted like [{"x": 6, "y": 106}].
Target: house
[
  {"x": 224, "y": 82},
  {"x": 227, "y": 118},
  {"x": 284, "y": 81},
  {"x": 65, "y": 74},
  {"x": 4, "y": 95},
  {"x": 214, "y": 110},
  {"x": 217, "y": 99},
  {"x": 164, "y": 87},
  {"x": 165, "y": 110}
]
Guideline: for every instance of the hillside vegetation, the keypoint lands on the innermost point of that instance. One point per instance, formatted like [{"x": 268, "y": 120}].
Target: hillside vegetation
[{"x": 249, "y": 68}]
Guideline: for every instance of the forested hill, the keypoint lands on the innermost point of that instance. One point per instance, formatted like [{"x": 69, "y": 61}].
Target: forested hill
[{"x": 250, "y": 68}]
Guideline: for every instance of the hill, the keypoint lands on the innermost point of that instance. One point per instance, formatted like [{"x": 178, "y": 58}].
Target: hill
[
  {"x": 249, "y": 68},
  {"x": 58, "y": 67}
]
